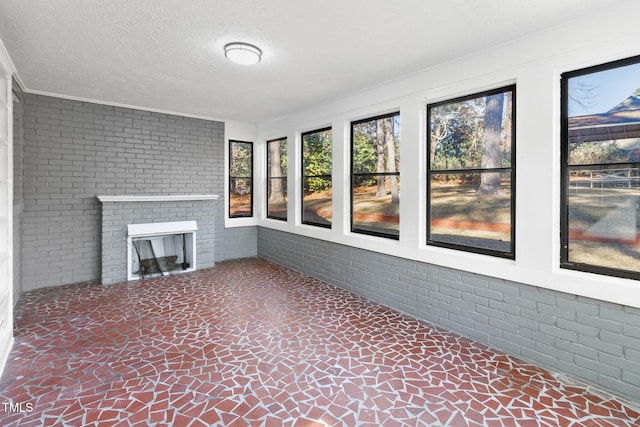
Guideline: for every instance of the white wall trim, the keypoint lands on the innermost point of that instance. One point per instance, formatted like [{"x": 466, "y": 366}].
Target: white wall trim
[
  {"x": 6, "y": 64},
  {"x": 170, "y": 198},
  {"x": 7, "y": 69}
]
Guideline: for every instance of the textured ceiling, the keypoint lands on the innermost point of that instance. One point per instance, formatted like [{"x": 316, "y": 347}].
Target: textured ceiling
[{"x": 167, "y": 54}]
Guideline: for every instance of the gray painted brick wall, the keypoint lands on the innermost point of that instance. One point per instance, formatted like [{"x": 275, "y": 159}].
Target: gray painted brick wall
[
  {"x": 595, "y": 341},
  {"x": 76, "y": 150},
  {"x": 241, "y": 242}
]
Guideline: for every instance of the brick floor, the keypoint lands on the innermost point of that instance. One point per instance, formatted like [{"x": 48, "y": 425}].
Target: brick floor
[{"x": 249, "y": 343}]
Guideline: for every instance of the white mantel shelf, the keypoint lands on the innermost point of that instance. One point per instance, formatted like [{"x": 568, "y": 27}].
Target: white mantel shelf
[{"x": 173, "y": 198}]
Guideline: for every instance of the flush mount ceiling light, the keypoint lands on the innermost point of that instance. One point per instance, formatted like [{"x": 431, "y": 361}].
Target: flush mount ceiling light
[{"x": 242, "y": 53}]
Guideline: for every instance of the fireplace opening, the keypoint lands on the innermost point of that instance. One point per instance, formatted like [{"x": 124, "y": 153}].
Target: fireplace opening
[
  {"x": 161, "y": 255},
  {"x": 158, "y": 249}
]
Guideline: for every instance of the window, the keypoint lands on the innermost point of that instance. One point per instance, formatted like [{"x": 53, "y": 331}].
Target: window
[
  {"x": 240, "y": 179},
  {"x": 316, "y": 178},
  {"x": 277, "y": 179},
  {"x": 600, "y": 157},
  {"x": 375, "y": 176},
  {"x": 470, "y": 167}
]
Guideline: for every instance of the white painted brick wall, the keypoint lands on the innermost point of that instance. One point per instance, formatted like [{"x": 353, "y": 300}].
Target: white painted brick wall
[{"x": 18, "y": 202}]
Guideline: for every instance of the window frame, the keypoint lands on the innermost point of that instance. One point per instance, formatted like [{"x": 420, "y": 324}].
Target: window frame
[
  {"x": 324, "y": 176},
  {"x": 250, "y": 178},
  {"x": 566, "y": 168},
  {"x": 352, "y": 176},
  {"x": 429, "y": 172},
  {"x": 269, "y": 178}
]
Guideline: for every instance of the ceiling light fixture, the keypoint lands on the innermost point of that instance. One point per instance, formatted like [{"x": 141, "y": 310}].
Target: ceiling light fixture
[{"x": 242, "y": 53}]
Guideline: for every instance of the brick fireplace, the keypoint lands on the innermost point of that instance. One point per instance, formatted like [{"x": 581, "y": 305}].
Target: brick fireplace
[{"x": 118, "y": 212}]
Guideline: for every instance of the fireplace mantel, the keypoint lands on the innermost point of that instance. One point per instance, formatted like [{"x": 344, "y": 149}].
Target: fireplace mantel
[{"x": 168, "y": 198}]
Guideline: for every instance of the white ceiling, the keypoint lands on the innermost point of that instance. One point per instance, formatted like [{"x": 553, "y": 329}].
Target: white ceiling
[{"x": 167, "y": 54}]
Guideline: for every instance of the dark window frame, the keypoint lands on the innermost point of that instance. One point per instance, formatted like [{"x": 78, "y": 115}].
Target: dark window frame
[
  {"x": 466, "y": 248},
  {"x": 250, "y": 178},
  {"x": 566, "y": 168},
  {"x": 282, "y": 178},
  {"x": 325, "y": 176},
  {"x": 361, "y": 174}
]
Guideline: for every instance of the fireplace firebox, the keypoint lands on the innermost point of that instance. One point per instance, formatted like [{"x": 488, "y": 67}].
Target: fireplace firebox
[{"x": 162, "y": 248}]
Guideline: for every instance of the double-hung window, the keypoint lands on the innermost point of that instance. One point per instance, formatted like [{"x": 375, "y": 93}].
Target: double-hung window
[
  {"x": 471, "y": 173},
  {"x": 600, "y": 205},
  {"x": 240, "y": 179},
  {"x": 316, "y": 177},
  {"x": 375, "y": 176},
  {"x": 277, "y": 179}
]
